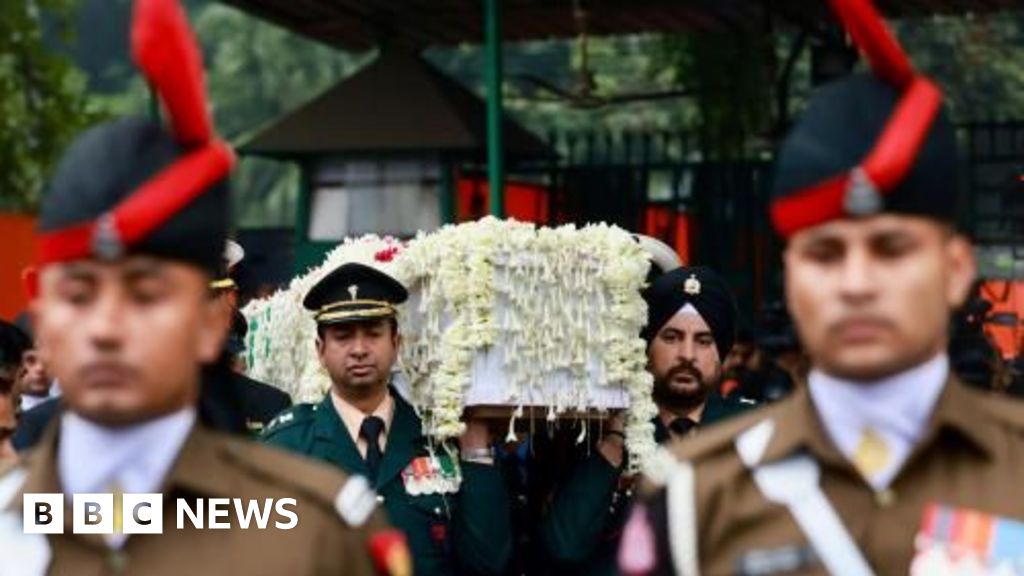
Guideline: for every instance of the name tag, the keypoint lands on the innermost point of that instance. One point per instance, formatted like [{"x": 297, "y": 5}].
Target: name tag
[
  {"x": 777, "y": 561},
  {"x": 963, "y": 541}
]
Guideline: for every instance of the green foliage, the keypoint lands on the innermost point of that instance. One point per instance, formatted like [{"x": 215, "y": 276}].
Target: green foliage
[
  {"x": 621, "y": 65},
  {"x": 975, "y": 59},
  {"x": 42, "y": 99},
  {"x": 257, "y": 73},
  {"x": 734, "y": 85}
]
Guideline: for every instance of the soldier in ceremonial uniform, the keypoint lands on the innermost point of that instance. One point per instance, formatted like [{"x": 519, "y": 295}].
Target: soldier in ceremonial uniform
[
  {"x": 885, "y": 463},
  {"x": 453, "y": 509},
  {"x": 690, "y": 329},
  {"x": 231, "y": 399},
  {"x": 130, "y": 234}
]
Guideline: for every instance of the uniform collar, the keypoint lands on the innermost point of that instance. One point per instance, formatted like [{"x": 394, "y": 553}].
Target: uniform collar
[
  {"x": 899, "y": 406},
  {"x": 404, "y": 438},
  {"x": 798, "y": 426},
  {"x": 353, "y": 417},
  {"x": 198, "y": 468},
  {"x": 92, "y": 458}
]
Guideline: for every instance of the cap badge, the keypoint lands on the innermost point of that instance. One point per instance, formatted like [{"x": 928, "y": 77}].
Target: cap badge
[
  {"x": 692, "y": 285},
  {"x": 354, "y": 291},
  {"x": 106, "y": 240},
  {"x": 862, "y": 196}
]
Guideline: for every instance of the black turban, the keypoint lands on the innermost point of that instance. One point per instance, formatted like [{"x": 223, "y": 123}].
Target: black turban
[{"x": 700, "y": 287}]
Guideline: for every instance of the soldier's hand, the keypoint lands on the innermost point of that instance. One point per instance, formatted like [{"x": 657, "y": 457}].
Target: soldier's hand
[
  {"x": 612, "y": 445},
  {"x": 477, "y": 435}
]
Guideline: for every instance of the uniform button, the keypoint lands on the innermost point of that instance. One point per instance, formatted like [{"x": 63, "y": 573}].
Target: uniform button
[
  {"x": 380, "y": 499},
  {"x": 885, "y": 498},
  {"x": 437, "y": 511}
]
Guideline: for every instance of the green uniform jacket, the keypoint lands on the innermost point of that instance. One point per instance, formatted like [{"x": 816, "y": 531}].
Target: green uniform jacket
[
  {"x": 581, "y": 528},
  {"x": 464, "y": 533}
]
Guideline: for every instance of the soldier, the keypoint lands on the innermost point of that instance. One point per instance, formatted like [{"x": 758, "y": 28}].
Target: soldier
[
  {"x": 130, "y": 233},
  {"x": 13, "y": 345},
  {"x": 690, "y": 330},
  {"x": 454, "y": 514},
  {"x": 230, "y": 399},
  {"x": 885, "y": 463},
  {"x": 34, "y": 384}
]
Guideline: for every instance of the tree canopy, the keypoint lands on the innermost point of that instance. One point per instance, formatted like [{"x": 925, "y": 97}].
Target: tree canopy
[
  {"x": 53, "y": 82},
  {"x": 42, "y": 98}
]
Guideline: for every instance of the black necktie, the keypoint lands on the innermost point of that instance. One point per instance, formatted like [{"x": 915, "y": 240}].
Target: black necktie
[
  {"x": 370, "y": 431},
  {"x": 682, "y": 426}
]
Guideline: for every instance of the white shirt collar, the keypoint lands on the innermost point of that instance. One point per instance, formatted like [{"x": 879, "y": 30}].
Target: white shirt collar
[
  {"x": 897, "y": 408},
  {"x": 93, "y": 458},
  {"x": 29, "y": 402}
]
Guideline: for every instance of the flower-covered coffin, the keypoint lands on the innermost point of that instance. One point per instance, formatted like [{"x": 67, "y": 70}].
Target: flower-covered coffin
[{"x": 501, "y": 313}]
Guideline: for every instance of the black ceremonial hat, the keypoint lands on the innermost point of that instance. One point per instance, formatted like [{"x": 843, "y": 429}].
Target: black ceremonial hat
[
  {"x": 700, "y": 287},
  {"x": 868, "y": 143},
  {"x": 133, "y": 186},
  {"x": 354, "y": 292}
]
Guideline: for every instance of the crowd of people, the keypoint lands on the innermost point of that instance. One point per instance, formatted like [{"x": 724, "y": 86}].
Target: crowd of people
[{"x": 842, "y": 431}]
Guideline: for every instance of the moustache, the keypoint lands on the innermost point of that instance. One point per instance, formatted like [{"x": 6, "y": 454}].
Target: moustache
[
  {"x": 684, "y": 369},
  {"x": 844, "y": 323},
  {"x": 107, "y": 370}
]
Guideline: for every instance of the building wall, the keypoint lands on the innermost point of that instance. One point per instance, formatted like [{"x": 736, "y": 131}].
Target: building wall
[{"x": 18, "y": 233}]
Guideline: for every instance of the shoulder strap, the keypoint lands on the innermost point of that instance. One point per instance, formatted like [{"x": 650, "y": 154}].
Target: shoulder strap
[
  {"x": 682, "y": 519},
  {"x": 795, "y": 483}
]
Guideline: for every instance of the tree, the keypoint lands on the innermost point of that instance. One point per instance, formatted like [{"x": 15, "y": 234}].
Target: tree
[
  {"x": 42, "y": 99},
  {"x": 257, "y": 73}
]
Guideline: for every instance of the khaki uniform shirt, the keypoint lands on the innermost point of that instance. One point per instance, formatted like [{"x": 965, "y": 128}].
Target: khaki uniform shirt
[
  {"x": 971, "y": 456},
  {"x": 212, "y": 465}
]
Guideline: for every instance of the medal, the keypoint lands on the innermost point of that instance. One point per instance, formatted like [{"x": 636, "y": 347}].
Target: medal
[
  {"x": 416, "y": 477},
  {"x": 450, "y": 474}
]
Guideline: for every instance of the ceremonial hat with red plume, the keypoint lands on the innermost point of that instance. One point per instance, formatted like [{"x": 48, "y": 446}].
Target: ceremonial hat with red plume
[
  {"x": 132, "y": 185},
  {"x": 868, "y": 143}
]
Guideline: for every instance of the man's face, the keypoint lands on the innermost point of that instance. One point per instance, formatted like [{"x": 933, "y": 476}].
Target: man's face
[
  {"x": 872, "y": 298},
  {"x": 126, "y": 339},
  {"x": 684, "y": 361},
  {"x": 359, "y": 355},
  {"x": 738, "y": 359},
  {"x": 33, "y": 379}
]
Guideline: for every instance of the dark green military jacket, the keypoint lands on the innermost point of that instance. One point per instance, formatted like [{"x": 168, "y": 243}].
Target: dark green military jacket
[
  {"x": 582, "y": 526},
  {"x": 464, "y": 533}
]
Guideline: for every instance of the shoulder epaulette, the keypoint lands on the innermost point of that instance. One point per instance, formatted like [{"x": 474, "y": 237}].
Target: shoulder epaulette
[{"x": 294, "y": 416}]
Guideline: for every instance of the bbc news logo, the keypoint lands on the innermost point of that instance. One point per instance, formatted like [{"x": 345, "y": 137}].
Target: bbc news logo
[{"x": 144, "y": 513}]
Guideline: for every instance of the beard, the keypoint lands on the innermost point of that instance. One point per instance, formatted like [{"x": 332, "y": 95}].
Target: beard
[{"x": 684, "y": 387}]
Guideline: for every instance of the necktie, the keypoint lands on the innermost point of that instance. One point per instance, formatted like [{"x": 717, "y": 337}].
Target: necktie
[
  {"x": 872, "y": 454},
  {"x": 370, "y": 431},
  {"x": 682, "y": 426}
]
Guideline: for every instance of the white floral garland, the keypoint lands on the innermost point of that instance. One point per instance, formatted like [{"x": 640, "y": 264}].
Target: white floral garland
[{"x": 560, "y": 301}]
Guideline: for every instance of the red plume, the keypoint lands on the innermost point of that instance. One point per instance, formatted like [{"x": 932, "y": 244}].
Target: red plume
[
  {"x": 166, "y": 51},
  {"x": 870, "y": 34}
]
